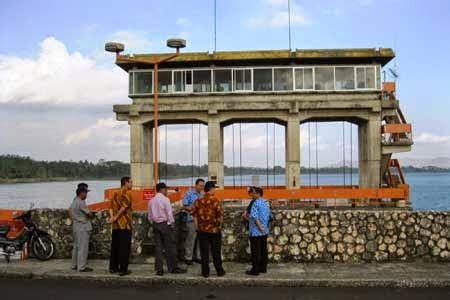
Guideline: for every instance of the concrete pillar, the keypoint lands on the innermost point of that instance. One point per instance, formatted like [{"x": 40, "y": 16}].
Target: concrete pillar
[
  {"x": 141, "y": 160},
  {"x": 215, "y": 151},
  {"x": 369, "y": 139},
  {"x": 292, "y": 134}
]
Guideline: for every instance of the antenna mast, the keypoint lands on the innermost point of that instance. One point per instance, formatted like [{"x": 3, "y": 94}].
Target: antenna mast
[
  {"x": 289, "y": 21},
  {"x": 215, "y": 25}
]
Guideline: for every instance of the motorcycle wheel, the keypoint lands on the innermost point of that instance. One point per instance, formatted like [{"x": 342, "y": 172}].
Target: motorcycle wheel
[{"x": 39, "y": 252}]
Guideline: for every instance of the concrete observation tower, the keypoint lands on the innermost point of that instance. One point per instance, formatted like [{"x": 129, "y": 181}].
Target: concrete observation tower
[{"x": 289, "y": 88}]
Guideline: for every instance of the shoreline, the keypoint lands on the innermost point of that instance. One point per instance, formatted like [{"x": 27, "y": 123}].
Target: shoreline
[{"x": 66, "y": 179}]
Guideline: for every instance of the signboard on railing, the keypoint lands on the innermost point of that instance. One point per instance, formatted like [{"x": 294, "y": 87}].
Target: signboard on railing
[{"x": 148, "y": 194}]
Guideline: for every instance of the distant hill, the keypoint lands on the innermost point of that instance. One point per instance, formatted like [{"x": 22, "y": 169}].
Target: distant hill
[{"x": 441, "y": 162}]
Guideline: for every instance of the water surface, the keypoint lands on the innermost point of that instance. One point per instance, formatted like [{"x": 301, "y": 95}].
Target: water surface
[{"x": 428, "y": 190}]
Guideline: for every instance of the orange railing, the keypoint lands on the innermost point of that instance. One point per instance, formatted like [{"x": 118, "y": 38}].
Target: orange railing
[
  {"x": 397, "y": 133},
  {"x": 305, "y": 193}
]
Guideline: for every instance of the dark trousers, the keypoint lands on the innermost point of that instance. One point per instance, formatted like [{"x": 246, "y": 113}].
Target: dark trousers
[
  {"x": 213, "y": 242},
  {"x": 258, "y": 248},
  {"x": 164, "y": 241},
  {"x": 120, "y": 250}
]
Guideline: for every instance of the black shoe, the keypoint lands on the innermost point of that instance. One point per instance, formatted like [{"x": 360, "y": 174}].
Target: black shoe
[
  {"x": 197, "y": 260},
  {"x": 251, "y": 273},
  {"x": 178, "y": 271},
  {"x": 189, "y": 262},
  {"x": 263, "y": 271},
  {"x": 205, "y": 275},
  {"x": 125, "y": 273},
  {"x": 112, "y": 271},
  {"x": 221, "y": 273},
  {"x": 159, "y": 273},
  {"x": 87, "y": 269}
]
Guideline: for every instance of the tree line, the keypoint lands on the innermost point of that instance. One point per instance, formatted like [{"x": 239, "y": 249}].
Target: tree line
[{"x": 23, "y": 167}]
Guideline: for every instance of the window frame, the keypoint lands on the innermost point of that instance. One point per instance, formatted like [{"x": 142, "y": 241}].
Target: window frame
[
  {"x": 303, "y": 78},
  {"x": 134, "y": 81},
  {"x": 251, "y": 79},
  {"x": 377, "y": 68}
]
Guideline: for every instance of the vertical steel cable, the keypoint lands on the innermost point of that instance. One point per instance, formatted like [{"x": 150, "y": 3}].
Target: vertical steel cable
[
  {"x": 351, "y": 154},
  {"x": 317, "y": 157},
  {"x": 159, "y": 151},
  {"x": 192, "y": 153},
  {"x": 274, "y": 184},
  {"x": 199, "y": 163},
  {"x": 165, "y": 150},
  {"x": 309, "y": 154},
  {"x": 232, "y": 145},
  {"x": 343, "y": 150},
  {"x": 267, "y": 154},
  {"x": 240, "y": 152}
]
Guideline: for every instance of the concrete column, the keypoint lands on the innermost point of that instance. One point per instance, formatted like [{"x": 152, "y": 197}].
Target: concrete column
[
  {"x": 215, "y": 152},
  {"x": 369, "y": 139},
  {"x": 292, "y": 134},
  {"x": 141, "y": 160}
]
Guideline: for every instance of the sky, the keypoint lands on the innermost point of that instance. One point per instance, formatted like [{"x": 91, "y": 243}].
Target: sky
[{"x": 57, "y": 85}]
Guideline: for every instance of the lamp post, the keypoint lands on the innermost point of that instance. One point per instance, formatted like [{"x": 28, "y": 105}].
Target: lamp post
[{"x": 117, "y": 48}]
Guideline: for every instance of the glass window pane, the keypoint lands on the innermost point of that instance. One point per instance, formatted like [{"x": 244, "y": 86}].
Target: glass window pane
[
  {"x": 164, "y": 81},
  {"x": 242, "y": 80},
  {"x": 304, "y": 79},
  {"x": 248, "y": 80},
  {"x": 143, "y": 82},
  {"x": 299, "y": 79},
  {"x": 202, "y": 81},
  {"x": 370, "y": 78},
  {"x": 379, "y": 77},
  {"x": 345, "y": 78},
  {"x": 262, "y": 79},
  {"x": 222, "y": 80},
  {"x": 324, "y": 78},
  {"x": 179, "y": 81},
  {"x": 189, "y": 77},
  {"x": 130, "y": 83},
  {"x": 361, "y": 78},
  {"x": 282, "y": 79},
  {"x": 308, "y": 79}
]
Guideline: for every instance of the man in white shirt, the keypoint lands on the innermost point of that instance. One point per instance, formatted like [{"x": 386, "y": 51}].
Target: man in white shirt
[{"x": 160, "y": 214}]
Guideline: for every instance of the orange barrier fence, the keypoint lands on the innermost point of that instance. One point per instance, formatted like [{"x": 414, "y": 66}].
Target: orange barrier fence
[{"x": 142, "y": 196}]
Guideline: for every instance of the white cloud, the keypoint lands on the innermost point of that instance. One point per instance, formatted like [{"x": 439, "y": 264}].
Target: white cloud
[
  {"x": 275, "y": 14},
  {"x": 58, "y": 77},
  {"x": 431, "y": 138},
  {"x": 106, "y": 131},
  {"x": 183, "y": 21},
  {"x": 135, "y": 41},
  {"x": 364, "y": 2}
]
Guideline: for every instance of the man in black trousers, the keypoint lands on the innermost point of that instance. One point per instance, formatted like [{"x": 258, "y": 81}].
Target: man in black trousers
[
  {"x": 121, "y": 216},
  {"x": 208, "y": 216}
]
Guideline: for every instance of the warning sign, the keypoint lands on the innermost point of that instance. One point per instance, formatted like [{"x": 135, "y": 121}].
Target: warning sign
[{"x": 148, "y": 194}]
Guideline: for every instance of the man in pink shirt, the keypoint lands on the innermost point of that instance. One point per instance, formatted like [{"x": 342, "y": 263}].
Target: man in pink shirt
[{"x": 160, "y": 214}]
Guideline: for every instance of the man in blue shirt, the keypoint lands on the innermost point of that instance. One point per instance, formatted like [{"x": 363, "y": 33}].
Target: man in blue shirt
[
  {"x": 258, "y": 215},
  {"x": 191, "y": 250}
]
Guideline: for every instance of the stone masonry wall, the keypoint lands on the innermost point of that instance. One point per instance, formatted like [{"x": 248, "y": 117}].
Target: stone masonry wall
[{"x": 296, "y": 235}]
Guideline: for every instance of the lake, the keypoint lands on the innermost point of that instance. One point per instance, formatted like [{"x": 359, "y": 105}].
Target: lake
[{"x": 428, "y": 190}]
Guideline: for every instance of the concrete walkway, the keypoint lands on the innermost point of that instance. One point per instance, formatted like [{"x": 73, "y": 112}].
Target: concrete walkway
[{"x": 415, "y": 274}]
